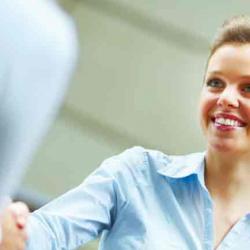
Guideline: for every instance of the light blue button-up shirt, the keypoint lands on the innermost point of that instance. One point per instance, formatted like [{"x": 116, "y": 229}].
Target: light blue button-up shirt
[{"x": 138, "y": 200}]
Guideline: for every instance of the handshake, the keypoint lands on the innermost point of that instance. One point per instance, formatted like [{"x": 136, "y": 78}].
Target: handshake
[{"x": 13, "y": 227}]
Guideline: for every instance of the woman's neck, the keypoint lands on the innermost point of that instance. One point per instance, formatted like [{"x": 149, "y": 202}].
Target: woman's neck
[{"x": 227, "y": 175}]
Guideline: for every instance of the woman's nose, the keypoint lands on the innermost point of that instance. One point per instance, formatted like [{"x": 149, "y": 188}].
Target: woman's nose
[{"x": 228, "y": 98}]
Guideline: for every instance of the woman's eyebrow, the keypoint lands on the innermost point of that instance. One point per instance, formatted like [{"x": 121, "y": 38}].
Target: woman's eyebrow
[
  {"x": 212, "y": 73},
  {"x": 247, "y": 77},
  {"x": 220, "y": 73},
  {"x": 215, "y": 72}
]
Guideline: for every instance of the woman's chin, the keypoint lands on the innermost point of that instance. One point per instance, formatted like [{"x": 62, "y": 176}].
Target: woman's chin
[{"x": 223, "y": 146}]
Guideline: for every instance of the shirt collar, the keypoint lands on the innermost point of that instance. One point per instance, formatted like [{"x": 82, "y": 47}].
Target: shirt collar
[{"x": 183, "y": 166}]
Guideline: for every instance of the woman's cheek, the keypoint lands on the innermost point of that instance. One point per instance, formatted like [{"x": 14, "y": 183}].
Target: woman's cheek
[{"x": 207, "y": 105}]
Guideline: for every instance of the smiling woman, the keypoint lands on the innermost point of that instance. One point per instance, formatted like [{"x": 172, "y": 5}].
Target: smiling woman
[
  {"x": 146, "y": 200},
  {"x": 225, "y": 99}
]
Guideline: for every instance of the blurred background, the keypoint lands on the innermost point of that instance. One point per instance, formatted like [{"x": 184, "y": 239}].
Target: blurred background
[{"x": 137, "y": 82}]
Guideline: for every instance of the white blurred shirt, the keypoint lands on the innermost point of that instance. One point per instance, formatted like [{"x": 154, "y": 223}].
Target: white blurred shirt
[{"x": 38, "y": 49}]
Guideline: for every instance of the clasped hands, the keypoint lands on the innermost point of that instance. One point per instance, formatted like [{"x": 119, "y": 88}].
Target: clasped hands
[{"x": 13, "y": 226}]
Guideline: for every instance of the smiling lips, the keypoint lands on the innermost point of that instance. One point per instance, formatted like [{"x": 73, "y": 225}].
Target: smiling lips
[{"x": 227, "y": 122}]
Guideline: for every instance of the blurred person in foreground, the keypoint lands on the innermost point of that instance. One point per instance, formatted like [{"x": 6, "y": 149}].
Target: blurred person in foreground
[
  {"x": 38, "y": 54},
  {"x": 146, "y": 200}
]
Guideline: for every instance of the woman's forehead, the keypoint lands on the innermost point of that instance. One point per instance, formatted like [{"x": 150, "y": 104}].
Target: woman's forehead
[{"x": 230, "y": 58}]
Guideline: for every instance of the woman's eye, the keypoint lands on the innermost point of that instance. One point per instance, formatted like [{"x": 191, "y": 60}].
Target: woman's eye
[
  {"x": 215, "y": 83},
  {"x": 246, "y": 88}
]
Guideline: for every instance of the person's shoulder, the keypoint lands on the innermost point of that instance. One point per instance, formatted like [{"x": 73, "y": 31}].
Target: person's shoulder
[
  {"x": 133, "y": 156},
  {"x": 135, "y": 159},
  {"x": 130, "y": 157},
  {"x": 149, "y": 159},
  {"x": 138, "y": 155},
  {"x": 138, "y": 165}
]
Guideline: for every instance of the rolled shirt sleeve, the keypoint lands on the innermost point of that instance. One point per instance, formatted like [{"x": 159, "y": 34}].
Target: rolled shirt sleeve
[{"x": 80, "y": 215}]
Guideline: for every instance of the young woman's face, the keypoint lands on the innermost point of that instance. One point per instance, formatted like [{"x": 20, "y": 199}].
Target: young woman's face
[{"x": 225, "y": 99}]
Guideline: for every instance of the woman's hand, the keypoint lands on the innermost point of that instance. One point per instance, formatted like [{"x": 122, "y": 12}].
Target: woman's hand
[{"x": 14, "y": 220}]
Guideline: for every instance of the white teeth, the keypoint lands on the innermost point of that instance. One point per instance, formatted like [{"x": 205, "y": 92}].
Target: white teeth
[{"x": 227, "y": 122}]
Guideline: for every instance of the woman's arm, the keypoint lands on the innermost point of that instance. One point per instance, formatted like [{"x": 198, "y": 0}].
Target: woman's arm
[
  {"x": 98, "y": 205},
  {"x": 78, "y": 216}
]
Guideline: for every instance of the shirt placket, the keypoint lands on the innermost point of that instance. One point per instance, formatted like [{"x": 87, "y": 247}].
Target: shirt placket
[
  {"x": 238, "y": 238},
  {"x": 208, "y": 233},
  {"x": 208, "y": 222}
]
